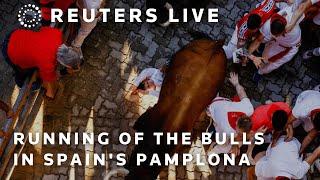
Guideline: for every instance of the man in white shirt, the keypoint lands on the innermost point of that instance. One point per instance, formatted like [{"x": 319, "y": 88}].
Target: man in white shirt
[
  {"x": 283, "y": 160},
  {"x": 248, "y": 26},
  {"x": 231, "y": 117},
  {"x": 307, "y": 105},
  {"x": 148, "y": 82},
  {"x": 281, "y": 46},
  {"x": 307, "y": 112}
]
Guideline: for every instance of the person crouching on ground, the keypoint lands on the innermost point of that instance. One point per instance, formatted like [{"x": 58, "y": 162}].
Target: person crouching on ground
[
  {"x": 307, "y": 112},
  {"x": 281, "y": 46},
  {"x": 230, "y": 117},
  {"x": 282, "y": 159},
  {"x": 26, "y": 51}
]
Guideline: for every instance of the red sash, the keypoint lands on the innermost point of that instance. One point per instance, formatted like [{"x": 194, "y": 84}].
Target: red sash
[{"x": 280, "y": 54}]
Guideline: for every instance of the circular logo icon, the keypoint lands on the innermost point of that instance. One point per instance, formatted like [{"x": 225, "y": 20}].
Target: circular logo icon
[{"x": 29, "y": 16}]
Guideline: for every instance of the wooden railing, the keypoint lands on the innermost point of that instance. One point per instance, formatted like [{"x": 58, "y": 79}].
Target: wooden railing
[{"x": 25, "y": 110}]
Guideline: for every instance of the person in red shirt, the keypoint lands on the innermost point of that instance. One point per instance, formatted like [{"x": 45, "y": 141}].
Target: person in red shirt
[
  {"x": 271, "y": 117},
  {"x": 262, "y": 115},
  {"x": 27, "y": 50}
]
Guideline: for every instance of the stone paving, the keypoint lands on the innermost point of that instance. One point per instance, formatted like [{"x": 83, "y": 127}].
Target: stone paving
[{"x": 94, "y": 100}]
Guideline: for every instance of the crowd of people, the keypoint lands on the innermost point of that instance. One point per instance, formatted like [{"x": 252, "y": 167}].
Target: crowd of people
[
  {"x": 275, "y": 24},
  {"x": 269, "y": 36}
]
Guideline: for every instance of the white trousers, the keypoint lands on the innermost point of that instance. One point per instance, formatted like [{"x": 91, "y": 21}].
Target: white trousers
[
  {"x": 271, "y": 49},
  {"x": 86, "y": 27},
  {"x": 84, "y": 32}
]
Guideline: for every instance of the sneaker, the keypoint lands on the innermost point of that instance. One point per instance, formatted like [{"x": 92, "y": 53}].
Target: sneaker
[
  {"x": 307, "y": 55},
  {"x": 257, "y": 77}
]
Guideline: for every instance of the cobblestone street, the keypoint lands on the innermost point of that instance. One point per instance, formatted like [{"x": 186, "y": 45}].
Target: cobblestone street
[{"x": 94, "y": 100}]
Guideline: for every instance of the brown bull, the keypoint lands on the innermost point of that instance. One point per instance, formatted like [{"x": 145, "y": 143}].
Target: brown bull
[{"x": 193, "y": 79}]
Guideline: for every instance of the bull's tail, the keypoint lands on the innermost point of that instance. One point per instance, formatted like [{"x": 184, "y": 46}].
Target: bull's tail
[{"x": 148, "y": 123}]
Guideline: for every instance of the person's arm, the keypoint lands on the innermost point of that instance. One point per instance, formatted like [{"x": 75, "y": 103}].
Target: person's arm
[
  {"x": 298, "y": 14},
  {"x": 313, "y": 157},
  {"x": 256, "y": 43},
  {"x": 253, "y": 47},
  {"x": 308, "y": 139},
  {"x": 234, "y": 79}
]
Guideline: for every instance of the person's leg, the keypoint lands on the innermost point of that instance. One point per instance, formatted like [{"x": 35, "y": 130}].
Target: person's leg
[
  {"x": 313, "y": 157},
  {"x": 275, "y": 65},
  {"x": 84, "y": 31}
]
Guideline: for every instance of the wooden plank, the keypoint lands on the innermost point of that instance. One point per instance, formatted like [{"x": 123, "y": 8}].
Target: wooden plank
[
  {"x": 18, "y": 108},
  {"x": 24, "y": 127}
]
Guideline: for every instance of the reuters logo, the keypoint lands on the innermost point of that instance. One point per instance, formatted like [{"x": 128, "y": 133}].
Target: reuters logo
[{"x": 29, "y": 16}]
